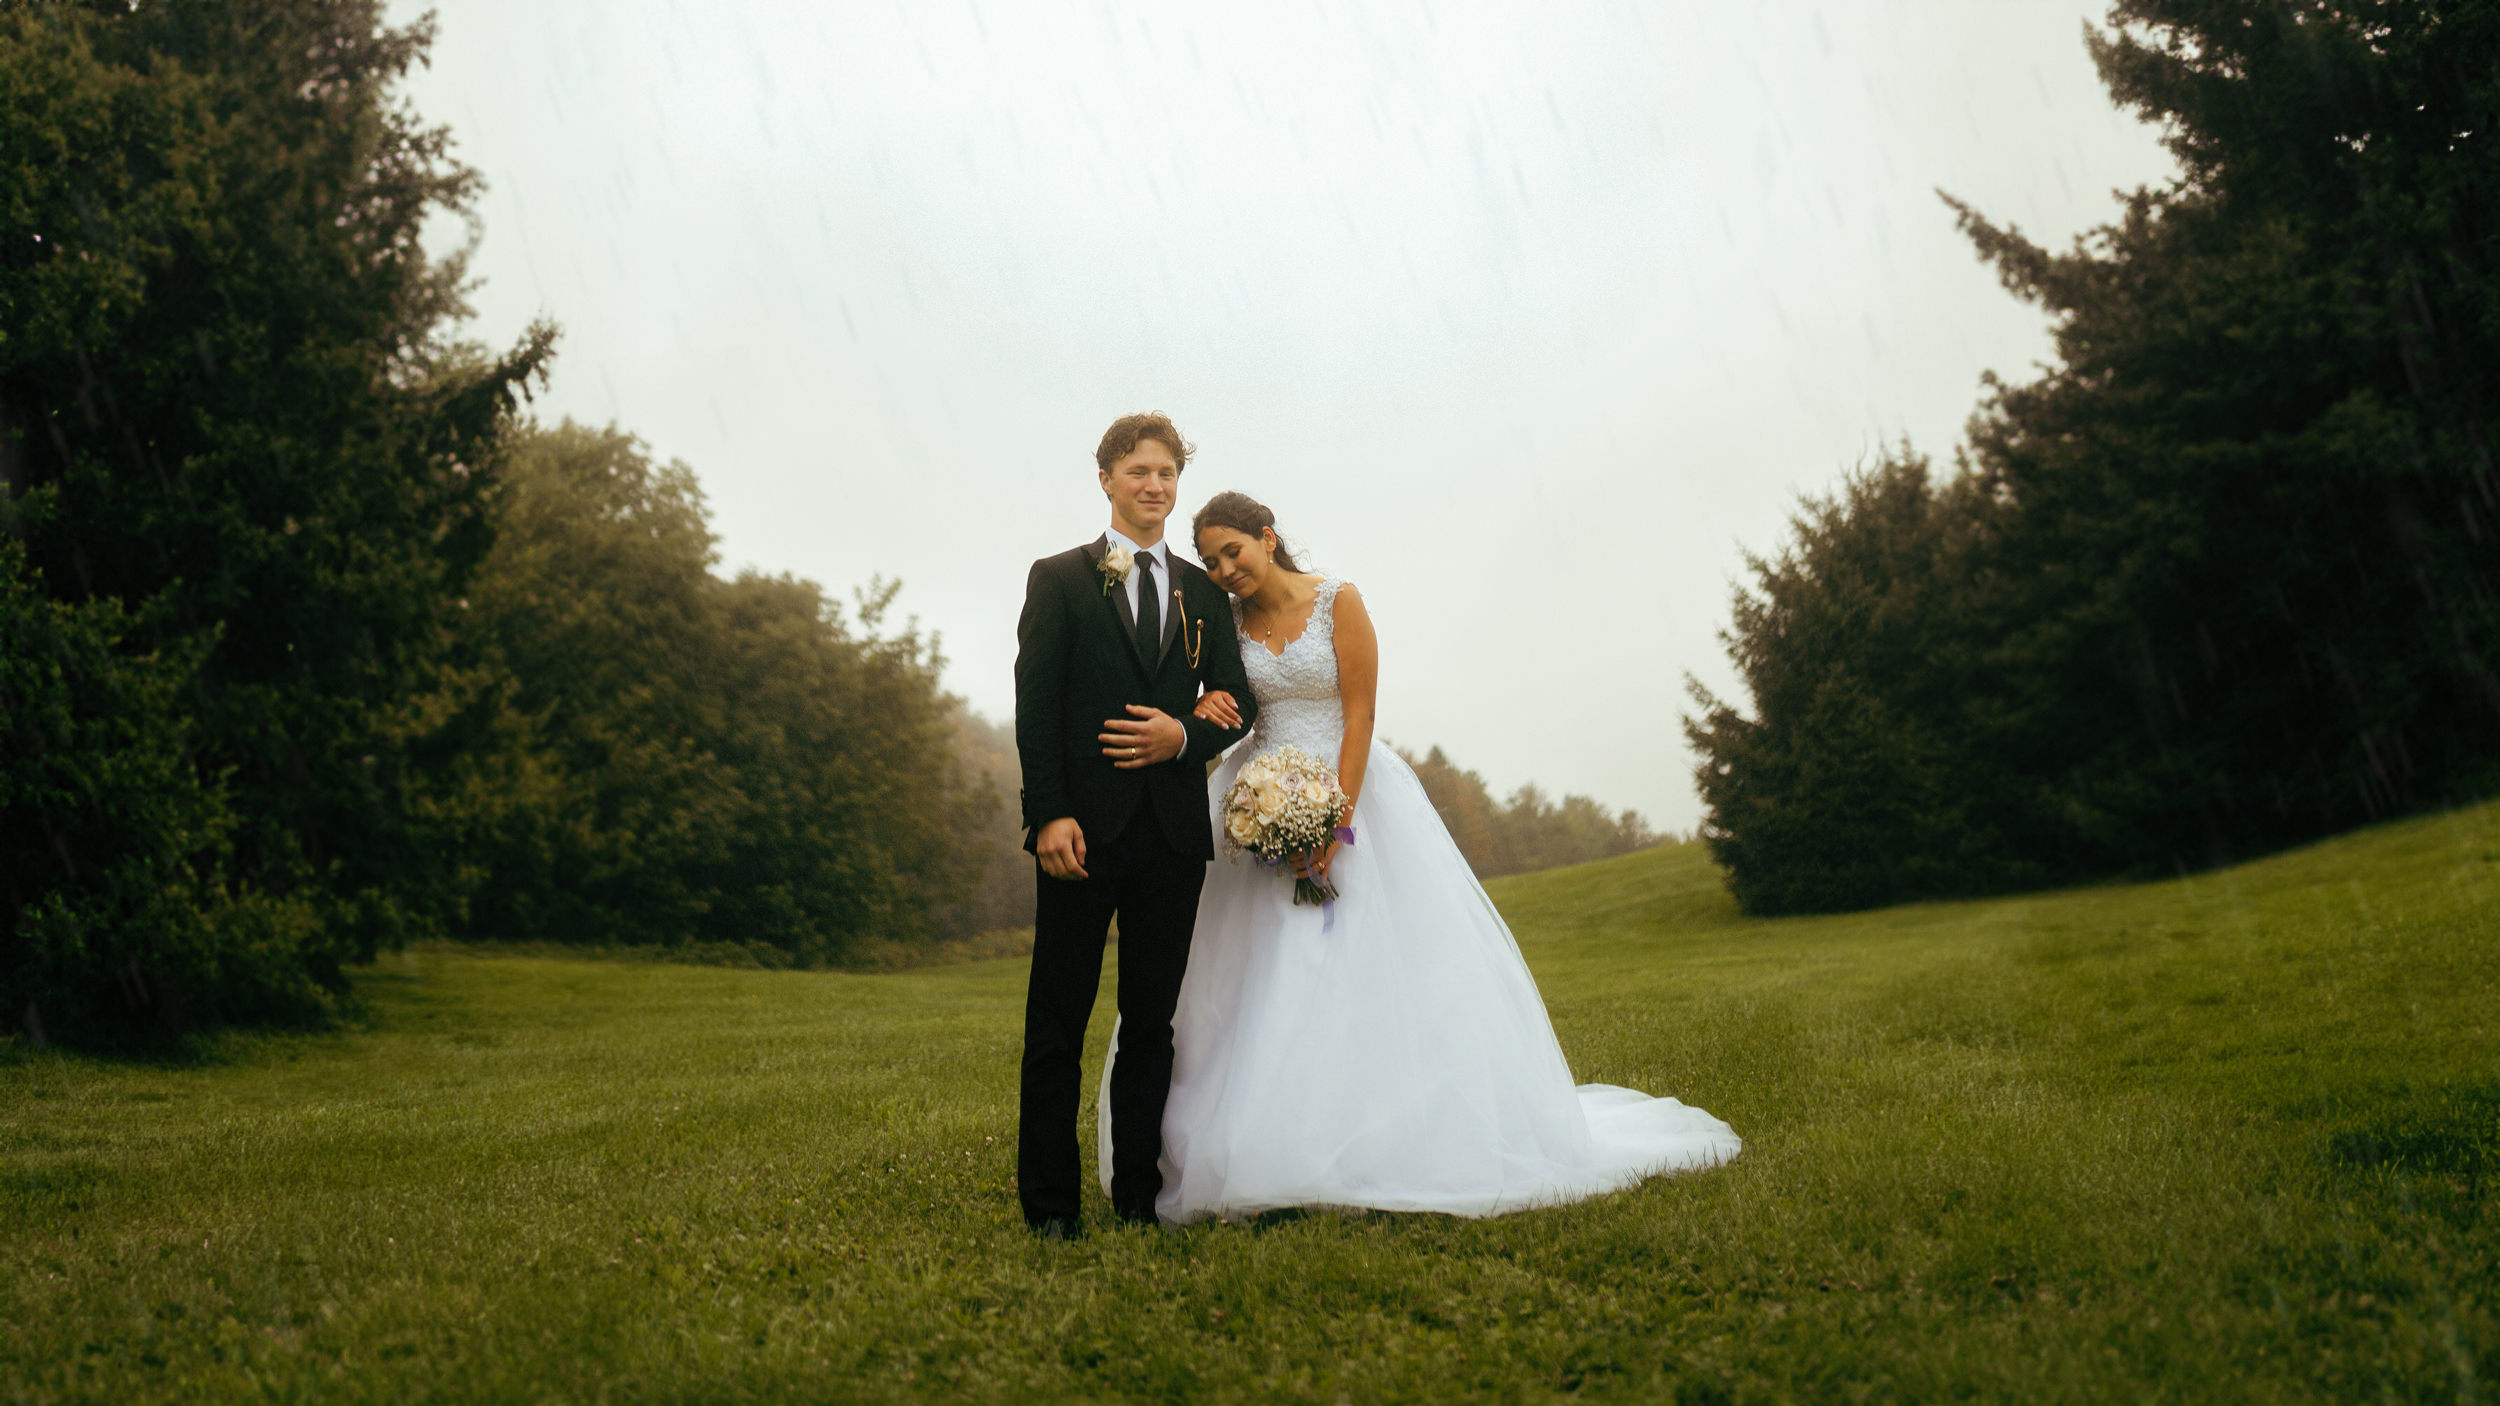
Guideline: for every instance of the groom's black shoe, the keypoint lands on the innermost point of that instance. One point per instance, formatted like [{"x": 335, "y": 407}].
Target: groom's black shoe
[
  {"x": 1137, "y": 1214},
  {"x": 1058, "y": 1228}
]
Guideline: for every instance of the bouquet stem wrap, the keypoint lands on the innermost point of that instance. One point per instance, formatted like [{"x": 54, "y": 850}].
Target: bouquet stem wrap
[{"x": 1321, "y": 891}]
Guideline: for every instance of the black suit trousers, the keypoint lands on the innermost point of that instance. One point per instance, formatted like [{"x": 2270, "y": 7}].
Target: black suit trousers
[{"x": 1153, "y": 888}]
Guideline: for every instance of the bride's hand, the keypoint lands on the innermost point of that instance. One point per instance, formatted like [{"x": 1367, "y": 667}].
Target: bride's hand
[
  {"x": 1304, "y": 868},
  {"x": 1217, "y": 707},
  {"x": 1313, "y": 864}
]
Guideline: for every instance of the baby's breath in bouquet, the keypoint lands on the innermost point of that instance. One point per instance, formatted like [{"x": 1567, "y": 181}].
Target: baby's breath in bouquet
[{"x": 1286, "y": 804}]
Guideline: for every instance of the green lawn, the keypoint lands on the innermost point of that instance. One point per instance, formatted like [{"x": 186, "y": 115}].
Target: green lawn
[{"x": 2230, "y": 1138}]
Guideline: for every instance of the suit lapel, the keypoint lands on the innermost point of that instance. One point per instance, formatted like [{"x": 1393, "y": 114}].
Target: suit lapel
[
  {"x": 1117, "y": 595},
  {"x": 1175, "y": 614}
]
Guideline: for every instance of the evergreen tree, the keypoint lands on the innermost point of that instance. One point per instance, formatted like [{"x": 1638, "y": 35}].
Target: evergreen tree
[
  {"x": 109, "y": 835},
  {"x": 2251, "y": 520},
  {"x": 2226, "y": 577},
  {"x": 226, "y": 413}
]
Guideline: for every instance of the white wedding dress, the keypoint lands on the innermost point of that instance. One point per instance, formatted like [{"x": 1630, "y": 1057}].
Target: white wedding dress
[{"x": 1395, "y": 1055}]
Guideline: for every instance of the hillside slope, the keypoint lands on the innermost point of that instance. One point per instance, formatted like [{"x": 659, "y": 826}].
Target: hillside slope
[{"x": 2229, "y": 1137}]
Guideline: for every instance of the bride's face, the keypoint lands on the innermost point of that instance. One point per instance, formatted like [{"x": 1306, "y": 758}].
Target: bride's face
[{"x": 1235, "y": 560}]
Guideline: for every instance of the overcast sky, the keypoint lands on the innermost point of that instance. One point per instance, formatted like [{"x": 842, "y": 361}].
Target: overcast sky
[{"x": 1526, "y": 318}]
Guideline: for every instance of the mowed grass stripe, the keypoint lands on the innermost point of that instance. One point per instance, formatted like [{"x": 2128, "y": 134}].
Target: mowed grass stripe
[{"x": 2229, "y": 1137}]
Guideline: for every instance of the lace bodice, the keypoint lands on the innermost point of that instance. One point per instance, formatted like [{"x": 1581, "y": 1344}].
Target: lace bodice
[{"x": 1297, "y": 690}]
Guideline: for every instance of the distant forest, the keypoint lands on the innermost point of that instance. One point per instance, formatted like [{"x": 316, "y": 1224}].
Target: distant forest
[
  {"x": 1526, "y": 831},
  {"x": 313, "y": 641},
  {"x": 2227, "y": 576}
]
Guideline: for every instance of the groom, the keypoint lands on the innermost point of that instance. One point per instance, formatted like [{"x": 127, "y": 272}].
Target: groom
[{"x": 1117, "y": 640}]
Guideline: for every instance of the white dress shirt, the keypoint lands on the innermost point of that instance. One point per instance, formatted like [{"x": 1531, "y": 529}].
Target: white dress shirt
[
  {"x": 1136, "y": 579},
  {"x": 1168, "y": 612}
]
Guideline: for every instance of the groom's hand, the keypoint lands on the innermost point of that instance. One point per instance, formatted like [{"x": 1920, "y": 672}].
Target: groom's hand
[
  {"x": 1148, "y": 736},
  {"x": 1061, "y": 848}
]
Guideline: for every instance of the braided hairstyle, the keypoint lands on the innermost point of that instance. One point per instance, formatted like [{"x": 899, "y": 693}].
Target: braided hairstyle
[{"x": 1243, "y": 514}]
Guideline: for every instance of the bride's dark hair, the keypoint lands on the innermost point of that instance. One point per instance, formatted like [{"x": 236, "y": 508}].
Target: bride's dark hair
[{"x": 1243, "y": 514}]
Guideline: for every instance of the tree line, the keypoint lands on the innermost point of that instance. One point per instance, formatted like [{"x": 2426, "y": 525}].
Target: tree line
[
  {"x": 2223, "y": 579},
  {"x": 1521, "y": 833},
  {"x": 313, "y": 641},
  {"x": 1528, "y": 830}
]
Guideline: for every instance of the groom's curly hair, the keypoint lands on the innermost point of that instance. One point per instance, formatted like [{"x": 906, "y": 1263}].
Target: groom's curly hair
[{"x": 1126, "y": 432}]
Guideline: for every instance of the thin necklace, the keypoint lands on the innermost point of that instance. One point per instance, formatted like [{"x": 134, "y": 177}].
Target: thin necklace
[{"x": 1272, "y": 619}]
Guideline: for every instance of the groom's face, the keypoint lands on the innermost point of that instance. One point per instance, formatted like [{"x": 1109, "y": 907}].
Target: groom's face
[{"x": 1143, "y": 484}]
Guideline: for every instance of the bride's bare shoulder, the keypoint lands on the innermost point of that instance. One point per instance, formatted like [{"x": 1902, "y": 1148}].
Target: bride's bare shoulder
[{"x": 1349, "y": 608}]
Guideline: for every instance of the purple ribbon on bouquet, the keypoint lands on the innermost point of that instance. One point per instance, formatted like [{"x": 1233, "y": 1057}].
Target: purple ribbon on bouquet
[{"x": 1328, "y": 906}]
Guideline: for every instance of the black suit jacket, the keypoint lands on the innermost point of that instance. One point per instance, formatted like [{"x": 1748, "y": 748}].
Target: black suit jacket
[{"x": 1077, "y": 665}]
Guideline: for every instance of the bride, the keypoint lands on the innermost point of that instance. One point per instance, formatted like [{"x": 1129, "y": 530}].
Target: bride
[{"x": 1391, "y": 1052}]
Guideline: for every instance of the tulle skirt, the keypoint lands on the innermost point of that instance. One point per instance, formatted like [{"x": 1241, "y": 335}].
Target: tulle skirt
[{"x": 1392, "y": 1053}]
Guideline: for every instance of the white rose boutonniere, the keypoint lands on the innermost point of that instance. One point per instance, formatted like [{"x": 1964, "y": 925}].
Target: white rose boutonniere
[{"x": 1116, "y": 565}]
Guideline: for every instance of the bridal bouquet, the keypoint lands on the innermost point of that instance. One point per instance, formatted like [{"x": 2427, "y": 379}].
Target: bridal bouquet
[{"x": 1286, "y": 805}]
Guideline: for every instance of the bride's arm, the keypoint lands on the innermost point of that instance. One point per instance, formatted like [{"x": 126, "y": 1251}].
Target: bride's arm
[{"x": 1358, "y": 679}]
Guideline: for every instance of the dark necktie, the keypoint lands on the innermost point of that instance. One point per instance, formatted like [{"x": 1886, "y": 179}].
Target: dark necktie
[{"x": 1149, "y": 612}]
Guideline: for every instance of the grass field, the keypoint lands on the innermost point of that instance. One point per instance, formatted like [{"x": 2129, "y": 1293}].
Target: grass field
[{"x": 2229, "y": 1138}]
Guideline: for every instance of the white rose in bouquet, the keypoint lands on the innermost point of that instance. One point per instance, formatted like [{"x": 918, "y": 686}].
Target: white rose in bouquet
[{"x": 1286, "y": 804}]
